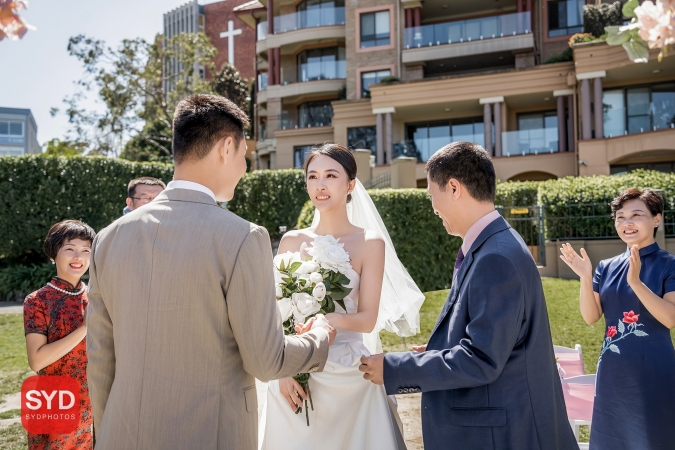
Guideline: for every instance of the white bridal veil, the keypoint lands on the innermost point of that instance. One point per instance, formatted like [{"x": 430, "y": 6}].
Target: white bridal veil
[{"x": 401, "y": 299}]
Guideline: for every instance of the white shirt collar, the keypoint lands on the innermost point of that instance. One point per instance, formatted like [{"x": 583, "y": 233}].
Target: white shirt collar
[{"x": 191, "y": 185}]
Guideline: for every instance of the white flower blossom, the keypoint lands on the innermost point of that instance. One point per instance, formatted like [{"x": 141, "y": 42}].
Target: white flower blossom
[
  {"x": 285, "y": 308},
  {"x": 304, "y": 305},
  {"x": 315, "y": 277},
  {"x": 288, "y": 258},
  {"x": 330, "y": 254},
  {"x": 319, "y": 291}
]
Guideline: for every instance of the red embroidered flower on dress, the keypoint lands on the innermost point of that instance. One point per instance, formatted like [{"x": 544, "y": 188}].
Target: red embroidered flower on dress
[
  {"x": 630, "y": 317},
  {"x": 611, "y": 332}
]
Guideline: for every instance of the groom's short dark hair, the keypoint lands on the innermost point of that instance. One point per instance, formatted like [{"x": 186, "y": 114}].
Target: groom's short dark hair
[
  {"x": 467, "y": 163},
  {"x": 200, "y": 121}
]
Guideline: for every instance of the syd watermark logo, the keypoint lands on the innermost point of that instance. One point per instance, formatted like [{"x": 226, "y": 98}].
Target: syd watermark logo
[{"x": 50, "y": 404}]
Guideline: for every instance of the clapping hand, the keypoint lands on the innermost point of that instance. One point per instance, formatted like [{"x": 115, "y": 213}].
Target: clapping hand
[
  {"x": 420, "y": 348},
  {"x": 633, "y": 277},
  {"x": 581, "y": 265}
]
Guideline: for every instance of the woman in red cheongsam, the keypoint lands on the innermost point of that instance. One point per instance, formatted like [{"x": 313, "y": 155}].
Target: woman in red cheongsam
[{"x": 55, "y": 326}]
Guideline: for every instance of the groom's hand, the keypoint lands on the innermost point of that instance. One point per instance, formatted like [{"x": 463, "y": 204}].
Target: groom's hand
[
  {"x": 373, "y": 368},
  {"x": 420, "y": 348}
]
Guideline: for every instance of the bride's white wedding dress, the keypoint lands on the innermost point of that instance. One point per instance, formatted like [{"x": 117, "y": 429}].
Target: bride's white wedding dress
[{"x": 349, "y": 412}]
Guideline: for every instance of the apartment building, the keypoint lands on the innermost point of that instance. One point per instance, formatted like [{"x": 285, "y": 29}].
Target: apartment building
[
  {"x": 461, "y": 70},
  {"x": 18, "y": 132}
]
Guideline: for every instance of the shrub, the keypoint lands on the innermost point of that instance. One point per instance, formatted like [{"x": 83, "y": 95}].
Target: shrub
[
  {"x": 270, "y": 198},
  {"x": 39, "y": 191},
  {"x": 599, "y": 16},
  {"x": 17, "y": 281},
  {"x": 420, "y": 239},
  {"x": 567, "y": 55},
  {"x": 579, "y": 207}
]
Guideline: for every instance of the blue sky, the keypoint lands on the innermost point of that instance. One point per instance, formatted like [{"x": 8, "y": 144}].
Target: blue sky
[{"x": 37, "y": 72}]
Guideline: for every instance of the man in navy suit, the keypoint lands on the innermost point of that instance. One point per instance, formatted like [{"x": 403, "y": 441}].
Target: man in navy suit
[{"x": 487, "y": 375}]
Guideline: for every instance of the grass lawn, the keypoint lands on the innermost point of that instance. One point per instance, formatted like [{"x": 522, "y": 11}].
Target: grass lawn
[
  {"x": 562, "y": 299},
  {"x": 567, "y": 326}
]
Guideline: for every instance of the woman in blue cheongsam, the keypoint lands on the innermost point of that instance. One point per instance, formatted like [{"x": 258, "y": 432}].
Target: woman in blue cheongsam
[{"x": 635, "y": 387}]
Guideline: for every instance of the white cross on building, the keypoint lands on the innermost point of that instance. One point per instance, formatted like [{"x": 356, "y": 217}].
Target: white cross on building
[{"x": 230, "y": 34}]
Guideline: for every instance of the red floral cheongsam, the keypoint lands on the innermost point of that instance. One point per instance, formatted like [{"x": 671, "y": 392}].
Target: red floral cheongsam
[{"x": 56, "y": 315}]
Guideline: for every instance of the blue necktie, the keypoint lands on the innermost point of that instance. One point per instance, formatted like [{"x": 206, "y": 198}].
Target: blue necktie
[{"x": 458, "y": 261}]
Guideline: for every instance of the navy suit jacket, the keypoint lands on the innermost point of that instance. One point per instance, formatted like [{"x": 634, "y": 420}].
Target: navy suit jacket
[{"x": 488, "y": 377}]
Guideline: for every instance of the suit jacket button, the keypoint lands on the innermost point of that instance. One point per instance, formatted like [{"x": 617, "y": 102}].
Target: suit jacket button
[
  {"x": 400, "y": 391},
  {"x": 406, "y": 390}
]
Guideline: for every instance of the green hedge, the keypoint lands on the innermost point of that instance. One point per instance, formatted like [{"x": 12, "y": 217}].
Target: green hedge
[
  {"x": 420, "y": 239},
  {"x": 38, "y": 191},
  {"x": 580, "y": 207},
  {"x": 16, "y": 281},
  {"x": 270, "y": 198}
]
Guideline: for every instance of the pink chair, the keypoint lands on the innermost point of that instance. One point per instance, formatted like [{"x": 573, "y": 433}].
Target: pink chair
[
  {"x": 570, "y": 359},
  {"x": 579, "y": 395}
]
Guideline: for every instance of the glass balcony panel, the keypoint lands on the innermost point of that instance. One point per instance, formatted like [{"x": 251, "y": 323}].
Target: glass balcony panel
[
  {"x": 663, "y": 106},
  {"x": 262, "y": 31},
  {"x": 473, "y": 29},
  {"x": 530, "y": 142},
  {"x": 637, "y": 101},
  {"x": 322, "y": 70},
  {"x": 638, "y": 124},
  {"x": 310, "y": 18}
]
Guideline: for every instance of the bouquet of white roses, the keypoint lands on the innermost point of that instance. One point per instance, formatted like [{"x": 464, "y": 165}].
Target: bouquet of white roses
[{"x": 306, "y": 287}]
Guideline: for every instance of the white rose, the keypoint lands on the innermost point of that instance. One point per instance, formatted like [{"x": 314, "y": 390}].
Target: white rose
[
  {"x": 288, "y": 258},
  {"x": 305, "y": 305},
  {"x": 315, "y": 277},
  {"x": 335, "y": 258},
  {"x": 307, "y": 267},
  {"x": 279, "y": 292},
  {"x": 319, "y": 291},
  {"x": 285, "y": 308}
]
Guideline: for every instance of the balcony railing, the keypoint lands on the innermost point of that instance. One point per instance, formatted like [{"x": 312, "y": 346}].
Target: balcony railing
[
  {"x": 530, "y": 142},
  {"x": 261, "y": 31},
  {"x": 468, "y": 30},
  {"x": 262, "y": 81},
  {"x": 637, "y": 119},
  {"x": 423, "y": 148},
  {"x": 309, "y": 19},
  {"x": 288, "y": 121},
  {"x": 11, "y": 140},
  {"x": 323, "y": 70}
]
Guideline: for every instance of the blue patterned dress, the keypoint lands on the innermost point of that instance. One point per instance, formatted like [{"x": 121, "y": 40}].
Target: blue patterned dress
[{"x": 635, "y": 388}]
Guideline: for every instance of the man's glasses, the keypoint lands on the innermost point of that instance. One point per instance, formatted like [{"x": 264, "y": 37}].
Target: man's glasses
[{"x": 143, "y": 199}]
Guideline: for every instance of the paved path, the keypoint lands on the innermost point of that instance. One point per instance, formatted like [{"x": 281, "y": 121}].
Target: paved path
[{"x": 11, "y": 307}]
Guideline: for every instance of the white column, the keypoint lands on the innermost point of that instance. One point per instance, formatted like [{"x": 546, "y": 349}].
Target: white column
[
  {"x": 498, "y": 129},
  {"x": 388, "y": 137},
  {"x": 597, "y": 108},
  {"x": 487, "y": 123},
  {"x": 380, "y": 139}
]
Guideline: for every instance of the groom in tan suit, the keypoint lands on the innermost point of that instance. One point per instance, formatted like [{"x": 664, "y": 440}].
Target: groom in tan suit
[{"x": 182, "y": 315}]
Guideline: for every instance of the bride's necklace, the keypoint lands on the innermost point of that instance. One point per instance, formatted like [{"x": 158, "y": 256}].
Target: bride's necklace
[{"x": 84, "y": 288}]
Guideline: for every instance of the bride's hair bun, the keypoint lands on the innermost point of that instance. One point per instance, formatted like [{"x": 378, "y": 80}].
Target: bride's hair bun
[{"x": 338, "y": 153}]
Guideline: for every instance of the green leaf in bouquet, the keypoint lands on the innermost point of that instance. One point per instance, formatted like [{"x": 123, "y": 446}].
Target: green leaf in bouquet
[
  {"x": 328, "y": 284},
  {"x": 637, "y": 50},
  {"x": 329, "y": 305},
  {"x": 341, "y": 303},
  {"x": 344, "y": 280},
  {"x": 617, "y": 35},
  {"x": 628, "y": 9},
  {"x": 282, "y": 266},
  {"x": 295, "y": 266},
  {"x": 340, "y": 294}
]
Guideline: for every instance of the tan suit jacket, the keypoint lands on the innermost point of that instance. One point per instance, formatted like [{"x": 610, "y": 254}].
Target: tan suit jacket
[{"x": 181, "y": 319}]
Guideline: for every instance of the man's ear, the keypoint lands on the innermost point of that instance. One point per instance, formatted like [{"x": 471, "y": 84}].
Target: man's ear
[
  {"x": 454, "y": 187},
  {"x": 223, "y": 148},
  {"x": 657, "y": 220},
  {"x": 130, "y": 203}
]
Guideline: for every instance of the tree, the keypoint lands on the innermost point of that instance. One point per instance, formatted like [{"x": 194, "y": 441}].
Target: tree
[
  {"x": 57, "y": 147},
  {"x": 13, "y": 26},
  {"x": 130, "y": 82},
  {"x": 229, "y": 84}
]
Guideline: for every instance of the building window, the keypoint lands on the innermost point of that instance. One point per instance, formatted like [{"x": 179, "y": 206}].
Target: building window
[
  {"x": 565, "y": 17},
  {"x": 638, "y": 109},
  {"x": 375, "y": 30},
  {"x": 368, "y": 78},
  {"x": 363, "y": 138},
  {"x": 11, "y": 132},
  {"x": 11, "y": 151},
  {"x": 426, "y": 138},
  {"x": 299, "y": 155},
  {"x": 322, "y": 64},
  {"x": 315, "y": 114}
]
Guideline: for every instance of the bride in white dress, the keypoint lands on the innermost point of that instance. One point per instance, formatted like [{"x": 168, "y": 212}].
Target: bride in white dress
[{"x": 349, "y": 412}]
